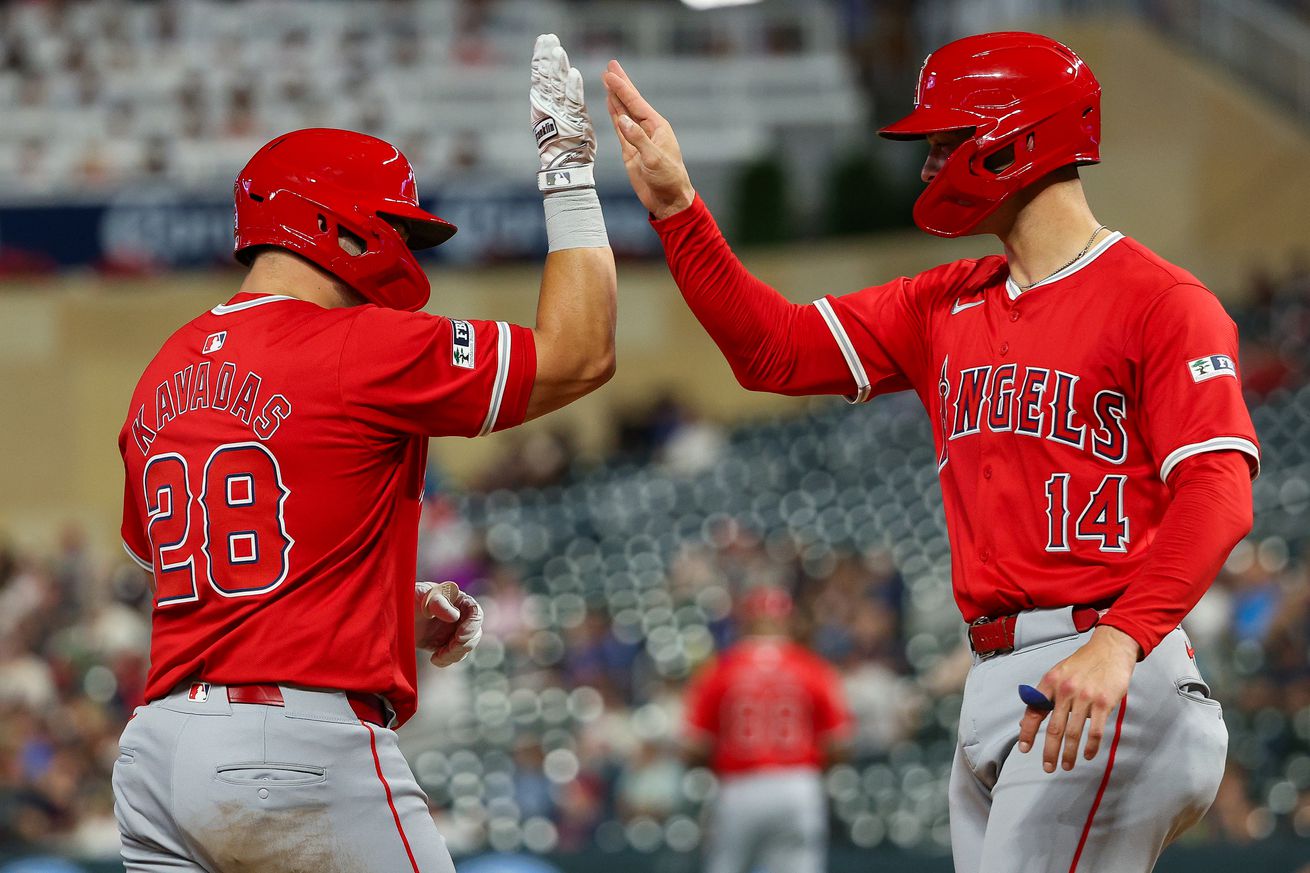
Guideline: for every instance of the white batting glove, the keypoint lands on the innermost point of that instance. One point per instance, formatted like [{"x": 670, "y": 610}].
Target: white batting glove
[
  {"x": 560, "y": 122},
  {"x": 450, "y": 622}
]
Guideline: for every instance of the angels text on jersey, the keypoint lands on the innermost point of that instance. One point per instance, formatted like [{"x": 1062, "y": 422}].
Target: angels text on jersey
[{"x": 1038, "y": 402}]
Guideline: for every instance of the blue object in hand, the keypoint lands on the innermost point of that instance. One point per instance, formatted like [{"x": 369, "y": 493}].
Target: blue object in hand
[{"x": 1034, "y": 698}]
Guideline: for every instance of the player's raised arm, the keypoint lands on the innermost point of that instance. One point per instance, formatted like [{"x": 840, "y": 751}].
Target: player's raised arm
[
  {"x": 770, "y": 343},
  {"x": 574, "y": 334}
]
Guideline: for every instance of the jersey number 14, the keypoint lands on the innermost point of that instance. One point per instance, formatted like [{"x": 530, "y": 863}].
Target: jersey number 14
[
  {"x": 241, "y": 543},
  {"x": 1101, "y": 521}
]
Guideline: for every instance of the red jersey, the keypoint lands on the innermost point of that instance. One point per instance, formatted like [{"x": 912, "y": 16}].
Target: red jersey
[
  {"x": 767, "y": 703},
  {"x": 274, "y": 455},
  {"x": 1058, "y": 413}
]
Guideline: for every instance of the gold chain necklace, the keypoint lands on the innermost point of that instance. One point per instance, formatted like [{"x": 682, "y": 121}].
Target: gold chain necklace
[{"x": 1070, "y": 263}]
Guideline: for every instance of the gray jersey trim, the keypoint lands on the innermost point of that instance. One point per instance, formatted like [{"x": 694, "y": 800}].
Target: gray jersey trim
[
  {"x": 1217, "y": 444},
  {"x": 225, "y": 308},
  {"x": 502, "y": 376},
  {"x": 1013, "y": 290},
  {"x": 862, "y": 387}
]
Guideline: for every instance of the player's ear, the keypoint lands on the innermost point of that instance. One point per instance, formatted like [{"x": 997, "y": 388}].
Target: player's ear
[{"x": 352, "y": 244}]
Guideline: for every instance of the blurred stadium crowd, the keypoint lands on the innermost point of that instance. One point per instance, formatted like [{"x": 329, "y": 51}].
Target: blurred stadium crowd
[
  {"x": 606, "y": 585},
  {"x": 100, "y": 96},
  {"x": 105, "y": 96}
]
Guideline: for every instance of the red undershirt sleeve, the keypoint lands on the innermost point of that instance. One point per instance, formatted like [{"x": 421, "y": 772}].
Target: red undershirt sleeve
[
  {"x": 771, "y": 343},
  {"x": 1209, "y": 514}
]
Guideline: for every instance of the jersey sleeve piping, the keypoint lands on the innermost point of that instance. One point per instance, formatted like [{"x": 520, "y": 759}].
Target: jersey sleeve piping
[
  {"x": 862, "y": 387},
  {"x": 1215, "y": 444},
  {"x": 137, "y": 559},
  {"x": 503, "y": 347}
]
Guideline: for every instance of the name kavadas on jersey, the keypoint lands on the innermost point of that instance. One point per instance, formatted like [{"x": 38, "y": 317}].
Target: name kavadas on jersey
[{"x": 192, "y": 389}]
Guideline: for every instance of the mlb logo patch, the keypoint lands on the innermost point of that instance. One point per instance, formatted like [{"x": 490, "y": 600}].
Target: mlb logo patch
[
  {"x": 213, "y": 343},
  {"x": 199, "y": 692},
  {"x": 462, "y": 344},
  {"x": 1211, "y": 366}
]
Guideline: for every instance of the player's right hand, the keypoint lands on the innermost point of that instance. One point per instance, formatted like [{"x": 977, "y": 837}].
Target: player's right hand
[{"x": 650, "y": 150}]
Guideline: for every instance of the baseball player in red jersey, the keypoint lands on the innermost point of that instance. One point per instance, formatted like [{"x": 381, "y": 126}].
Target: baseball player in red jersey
[
  {"x": 1094, "y": 451},
  {"x": 275, "y": 450},
  {"x": 767, "y": 716}
]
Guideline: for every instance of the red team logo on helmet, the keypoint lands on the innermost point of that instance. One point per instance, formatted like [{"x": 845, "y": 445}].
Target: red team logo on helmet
[
  {"x": 1032, "y": 105},
  {"x": 332, "y": 196}
]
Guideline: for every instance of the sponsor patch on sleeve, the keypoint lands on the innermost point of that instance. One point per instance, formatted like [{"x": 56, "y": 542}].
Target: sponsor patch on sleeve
[
  {"x": 462, "y": 344},
  {"x": 1212, "y": 366}
]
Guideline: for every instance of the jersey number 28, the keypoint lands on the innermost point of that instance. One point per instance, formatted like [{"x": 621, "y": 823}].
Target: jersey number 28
[{"x": 242, "y": 543}]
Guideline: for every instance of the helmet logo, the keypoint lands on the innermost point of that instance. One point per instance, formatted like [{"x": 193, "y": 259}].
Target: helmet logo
[{"x": 926, "y": 81}]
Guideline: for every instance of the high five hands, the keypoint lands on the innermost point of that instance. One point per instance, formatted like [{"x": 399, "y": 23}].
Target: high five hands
[{"x": 650, "y": 150}]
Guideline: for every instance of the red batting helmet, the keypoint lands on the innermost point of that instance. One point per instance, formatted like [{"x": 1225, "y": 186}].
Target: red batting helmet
[
  {"x": 310, "y": 190},
  {"x": 1033, "y": 107}
]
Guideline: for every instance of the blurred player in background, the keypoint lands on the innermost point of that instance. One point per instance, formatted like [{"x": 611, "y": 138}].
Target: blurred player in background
[
  {"x": 1094, "y": 450},
  {"x": 767, "y": 716},
  {"x": 275, "y": 451}
]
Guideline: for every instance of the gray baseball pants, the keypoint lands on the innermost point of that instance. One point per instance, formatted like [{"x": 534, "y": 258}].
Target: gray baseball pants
[
  {"x": 1156, "y": 773},
  {"x": 222, "y": 787},
  {"x": 775, "y": 821}
]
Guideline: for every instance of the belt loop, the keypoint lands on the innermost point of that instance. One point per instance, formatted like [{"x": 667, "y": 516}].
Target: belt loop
[{"x": 314, "y": 704}]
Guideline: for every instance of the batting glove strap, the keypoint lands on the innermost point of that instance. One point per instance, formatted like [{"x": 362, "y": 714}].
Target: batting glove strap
[{"x": 565, "y": 178}]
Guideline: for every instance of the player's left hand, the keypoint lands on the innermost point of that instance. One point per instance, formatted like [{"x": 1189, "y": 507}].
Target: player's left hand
[
  {"x": 1086, "y": 685},
  {"x": 560, "y": 123},
  {"x": 449, "y": 624}
]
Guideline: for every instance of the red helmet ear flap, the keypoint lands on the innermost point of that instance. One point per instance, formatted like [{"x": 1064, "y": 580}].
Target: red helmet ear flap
[{"x": 961, "y": 195}]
